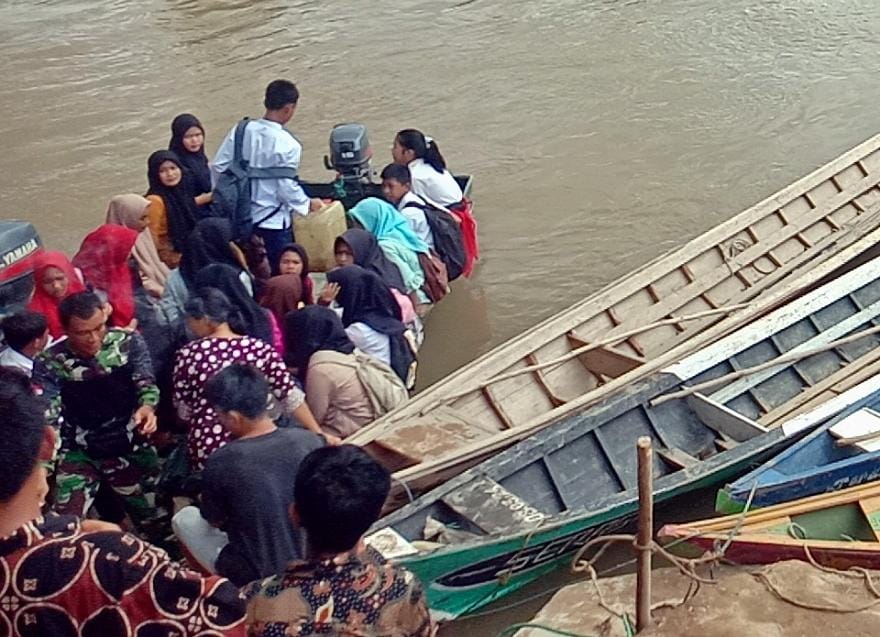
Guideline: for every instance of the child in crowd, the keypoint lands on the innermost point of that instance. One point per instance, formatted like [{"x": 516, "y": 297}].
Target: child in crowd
[
  {"x": 430, "y": 179},
  {"x": 173, "y": 213},
  {"x": 188, "y": 143},
  {"x": 397, "y": 188},
  {"x": 295, "y": 260},
  {"x": 26, "y": 335},
  {"x": 55, "y": 279}
]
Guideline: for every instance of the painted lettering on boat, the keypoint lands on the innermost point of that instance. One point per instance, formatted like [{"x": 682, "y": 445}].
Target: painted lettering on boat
[
  {"x": 527, "y": 514},
  {"x": 853, "y": 480},
  {"x": 19, "y": 253},
  {"x": 530, "y": 557}
]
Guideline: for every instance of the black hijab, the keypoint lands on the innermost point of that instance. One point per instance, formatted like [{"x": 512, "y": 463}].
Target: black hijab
[
  {"x": 195, "y": 165},
  {"x": 310, "y": 329},
  {"x": 368, "y": 254},
  {"x": 248, "y": 319},
  {"x": 179, "y": 203},
  {"x": 365, "y": 299},
  {"x": 208, "y": 243}
]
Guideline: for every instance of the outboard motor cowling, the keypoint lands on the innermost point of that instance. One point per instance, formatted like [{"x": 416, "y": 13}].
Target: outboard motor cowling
[
  {"x": 19, "y": 244},
  {"x": 350, "y": 152}
]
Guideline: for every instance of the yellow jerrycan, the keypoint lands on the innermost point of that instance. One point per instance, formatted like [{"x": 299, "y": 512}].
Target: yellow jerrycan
[{"x": 317, "y": 231}]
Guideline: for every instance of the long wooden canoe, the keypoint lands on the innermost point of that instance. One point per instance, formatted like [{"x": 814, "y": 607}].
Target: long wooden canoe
[
  {"x": 519, "y": 514},
  {"x": 817, "y": 464},
  {"x": 635, "y": 325},
  {"x": 840, "y": 530}
]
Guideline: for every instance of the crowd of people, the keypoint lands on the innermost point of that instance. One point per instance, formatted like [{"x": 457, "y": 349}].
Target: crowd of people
[{"x": 176, "y": 357}]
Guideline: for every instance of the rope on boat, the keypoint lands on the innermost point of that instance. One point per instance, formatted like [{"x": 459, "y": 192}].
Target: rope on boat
[
  {"x": 611, "y": 340},
  {"x": 779, "y": 360}
]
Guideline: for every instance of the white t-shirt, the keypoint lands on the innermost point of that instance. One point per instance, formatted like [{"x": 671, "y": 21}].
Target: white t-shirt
[
  {"x": 434, "y": 187},
  {"x": 415, "y": 216},
  {"x": 370, "y": 342}
]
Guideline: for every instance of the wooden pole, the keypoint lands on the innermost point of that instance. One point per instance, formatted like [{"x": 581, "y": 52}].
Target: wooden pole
[{"x": 645, "y": 533}]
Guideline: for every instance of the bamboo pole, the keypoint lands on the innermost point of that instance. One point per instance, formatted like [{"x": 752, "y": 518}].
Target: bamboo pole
[
  {"x": 779, "y": 360},
  {"x": 645, "y": 533}
]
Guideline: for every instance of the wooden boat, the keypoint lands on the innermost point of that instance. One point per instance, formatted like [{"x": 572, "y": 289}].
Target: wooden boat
[
  {"x": 519, "y": 514},
  {"x": 634, "y": 326},
  {"x": 819, "y": 463},
  {"x": 840, "y": 530}
]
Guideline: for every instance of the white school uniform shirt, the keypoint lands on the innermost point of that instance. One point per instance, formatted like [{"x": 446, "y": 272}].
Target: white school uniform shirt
[
  {"x": 370, "y": 342},
  {"x": 268, "y": 145},
  {"x": 434, "y": 187},
  {"x": 12, "y": 359},
  {"x": 415, "y": 216}
]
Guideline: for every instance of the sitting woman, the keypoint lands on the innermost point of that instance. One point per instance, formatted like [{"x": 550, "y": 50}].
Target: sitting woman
[
  {"x": 322, "y": 355},
  {"x": 248, "y": 317},
  {"x": 282, "y": 294},
  {"x": 55, "y": 279},
  {"x": 295, "y": 260},
  {"x": 430, "y": 179},
  {"x": 173, "y": 213},
  {"x": 105, "y": 261},
  {"x": 398, "y": 242},
  {"x": 372, "y": 320},
  {"x": 132, "y": 211},
  {"x": 210, "y": 242},
  {"x": 188, "y": 143},
  {"x": 208, "y": 316}
]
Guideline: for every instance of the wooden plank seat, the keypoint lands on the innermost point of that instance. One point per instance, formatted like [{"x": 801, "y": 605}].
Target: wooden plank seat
[{"x": 492, "y": 508}]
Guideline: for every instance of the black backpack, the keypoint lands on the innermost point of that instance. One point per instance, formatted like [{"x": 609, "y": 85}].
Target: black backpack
[
  {"x": 232, "y": 192},
  {"x": 448, "y": 242}
]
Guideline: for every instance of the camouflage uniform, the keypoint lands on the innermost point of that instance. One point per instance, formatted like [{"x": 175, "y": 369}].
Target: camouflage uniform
[{"x": 59, "y": 374}]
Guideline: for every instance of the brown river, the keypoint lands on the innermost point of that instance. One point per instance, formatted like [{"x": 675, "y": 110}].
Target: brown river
[{"x": 601, "y": 133}]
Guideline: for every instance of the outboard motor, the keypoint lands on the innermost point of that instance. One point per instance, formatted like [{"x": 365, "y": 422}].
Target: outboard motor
[
  {"x": 19, "y": 243},
  {"x": 350, "y": 153}
]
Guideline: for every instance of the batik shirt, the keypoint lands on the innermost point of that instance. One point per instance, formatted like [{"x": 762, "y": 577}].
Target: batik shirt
[
  {"x": 57, "y": 580},
  {"x": 57, "y": 364},
  {"x": 355, "y": 594}
]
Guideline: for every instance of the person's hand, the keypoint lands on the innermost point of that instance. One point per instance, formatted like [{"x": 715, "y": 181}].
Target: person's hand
[
  {"x": 153, "y": 288},
  {"x": 328, "y": 294},
  {"x": 97, "y": 526},
  {"x": 145, "y": 419},
  {"x": 332, "y": 441},
  {"x": 315, "y": 205},
  {"x": 132, "y": 326}
]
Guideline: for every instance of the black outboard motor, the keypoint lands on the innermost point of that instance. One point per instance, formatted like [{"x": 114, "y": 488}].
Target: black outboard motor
[
  {"x": 19, "y": 243},
  {"x": 350, "y": 153}
]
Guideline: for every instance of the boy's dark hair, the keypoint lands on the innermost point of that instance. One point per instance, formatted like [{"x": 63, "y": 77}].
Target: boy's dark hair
[
  {"x": 21, "y": 328},
  {"x": 339, "y": 493},
  {"x": 22, "y": 423},
  {"x": 81, "y": 305},
  {"x": 240, "y": 388},
  {"x": 209, "y": 303},
  {"x": 279, "y": 94},
  {"x": 397, "y": 172}
]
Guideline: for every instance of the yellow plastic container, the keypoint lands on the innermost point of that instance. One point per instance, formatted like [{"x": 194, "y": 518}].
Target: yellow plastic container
[{"x": 317, "y": 232}]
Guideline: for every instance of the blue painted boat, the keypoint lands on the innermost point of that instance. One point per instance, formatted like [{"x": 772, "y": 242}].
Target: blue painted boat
[{"x": 815, "y": 464}]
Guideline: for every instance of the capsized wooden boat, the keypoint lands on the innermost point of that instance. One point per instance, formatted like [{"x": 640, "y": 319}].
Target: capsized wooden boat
[
  {"x": 839, "y": 529},
  {"x": 520, "y": 514},
  {"x": 843, "y": 452},
  {"x": 679, "y": 302}
]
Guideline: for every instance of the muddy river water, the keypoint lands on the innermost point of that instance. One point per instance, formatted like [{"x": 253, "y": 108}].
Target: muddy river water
[{"x": 600, "y": 132}]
